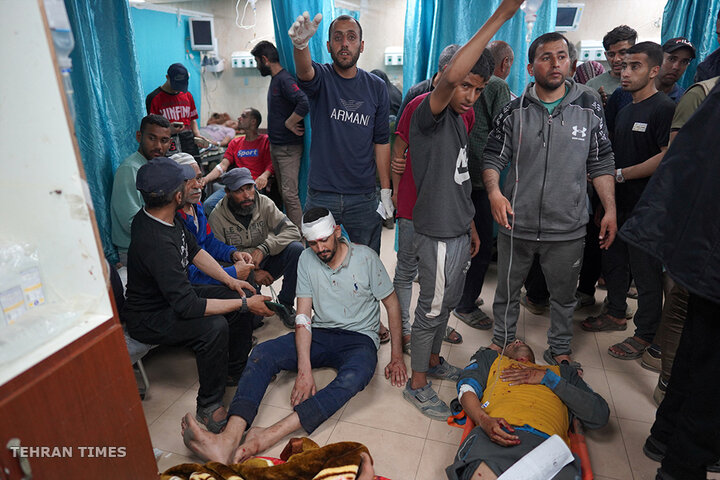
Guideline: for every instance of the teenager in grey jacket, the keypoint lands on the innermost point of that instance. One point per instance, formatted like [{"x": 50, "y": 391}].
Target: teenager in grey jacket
[{"x": 554, "y": 138}]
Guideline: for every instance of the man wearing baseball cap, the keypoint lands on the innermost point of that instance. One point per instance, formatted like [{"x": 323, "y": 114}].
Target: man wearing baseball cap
[
  {"x": 250, "y": 222},
  {"x": 343, "y": 283},
  {"x": 173, "y": 101},
  {"x": 163, "y": 308}
]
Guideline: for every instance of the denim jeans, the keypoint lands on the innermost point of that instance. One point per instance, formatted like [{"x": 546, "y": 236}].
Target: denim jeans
[
  {"x": 285, "y": 264},
  {"x": 352, "y": 354},
  {"x": 405, "y": 270},
  {"x": 356, "y": 212}
]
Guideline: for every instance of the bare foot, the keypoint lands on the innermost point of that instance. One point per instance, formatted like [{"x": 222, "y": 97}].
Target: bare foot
[
  {"x": 254, "y": 443},
  {"x": 206, "y": 445}
]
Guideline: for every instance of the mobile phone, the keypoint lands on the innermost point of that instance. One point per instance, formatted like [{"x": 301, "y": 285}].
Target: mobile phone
[{"x": 276, "y": 307}]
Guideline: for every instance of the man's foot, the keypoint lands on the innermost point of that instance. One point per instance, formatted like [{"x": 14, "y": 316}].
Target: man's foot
[
  {"x": 427, "y": 401},
  {"x": 629, "y": 312},
  {"x": 534, "y": 308},
  {"x": 652, "y": 358},
  {"x": 655, "y": 450},
  {"x": 444, "y": 370},
  {"x": 659, "y": 392},
  {"x": 214, "y": 417},
  {"x": 629, "y": 349},
  {"x": 206, "y": 445},
  {"x": 603, "y": 323},
  {"x": 562, "y": 359},
  {"x": 452, "y": 336},
  {"x": 407, "y": 346},
  {"x": 253, "y": 444},
  {"x": 583, "y": 300},
  {"x": 476, "y": 319}
]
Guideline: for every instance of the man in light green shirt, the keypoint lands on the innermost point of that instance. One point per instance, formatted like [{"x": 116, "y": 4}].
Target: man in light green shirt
[
  {"x": 154, "y": 140},
  {"x": 615, "y": 42}
]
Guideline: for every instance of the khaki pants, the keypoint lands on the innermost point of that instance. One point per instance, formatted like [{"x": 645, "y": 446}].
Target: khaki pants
[{"x": 286, "y": 163}]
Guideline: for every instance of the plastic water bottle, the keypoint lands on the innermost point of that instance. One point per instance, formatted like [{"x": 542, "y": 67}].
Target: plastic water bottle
[
  {"x": 64, "y": 43},
  {"x": 530, "y": 8}
]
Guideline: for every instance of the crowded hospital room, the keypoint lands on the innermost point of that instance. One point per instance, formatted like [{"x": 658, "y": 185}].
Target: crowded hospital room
[{"x": 360, "y": 239}]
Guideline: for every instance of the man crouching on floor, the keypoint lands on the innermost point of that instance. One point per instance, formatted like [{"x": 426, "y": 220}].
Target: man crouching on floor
[{"x": 344, "y": 283}]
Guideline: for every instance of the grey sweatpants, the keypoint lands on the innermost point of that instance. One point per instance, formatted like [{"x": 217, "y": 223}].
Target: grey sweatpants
[
  {"x": 442, "y": 265},
  {"x": 560, "y": 263}
]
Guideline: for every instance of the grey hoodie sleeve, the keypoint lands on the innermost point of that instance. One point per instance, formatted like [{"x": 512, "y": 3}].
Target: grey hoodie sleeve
[
  {"x": 601, "y": 160},
  {"x": 498, "y": 151},
  {"x": 589, "y": 407}
]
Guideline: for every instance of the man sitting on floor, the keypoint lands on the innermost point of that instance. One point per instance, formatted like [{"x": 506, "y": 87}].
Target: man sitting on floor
[
  {"x": 252, "y": 223},
  {"x": 192, "y": 215},
  {"x": 516, "y": 412},
  {"x": 163, "y": 308},
  {"x": 344, "y": 283}
]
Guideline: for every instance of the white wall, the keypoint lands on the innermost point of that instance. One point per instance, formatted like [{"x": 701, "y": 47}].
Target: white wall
[
  {"x": 601, "y": 16},
  {"x": 238, "y": 88}
]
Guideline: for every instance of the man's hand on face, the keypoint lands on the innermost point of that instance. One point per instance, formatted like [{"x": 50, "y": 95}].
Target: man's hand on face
[{"x": 303, "y": 29}]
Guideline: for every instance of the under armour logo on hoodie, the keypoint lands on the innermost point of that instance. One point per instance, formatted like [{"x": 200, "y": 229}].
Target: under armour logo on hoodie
[{"x": 577, "y": 131}]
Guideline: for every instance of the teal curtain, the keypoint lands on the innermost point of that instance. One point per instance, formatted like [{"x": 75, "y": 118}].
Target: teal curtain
[
  {"x": 694, "y": 20},
  {"x": 284, "y": 14},
  {"x": 431, "y": 25},
  {"x": 161, "y": 39},
  {"x": 108, "y": 100}
]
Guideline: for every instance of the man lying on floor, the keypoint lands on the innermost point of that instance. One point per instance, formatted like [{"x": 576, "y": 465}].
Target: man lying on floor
[
  {"x": 519, "y": 410},
  {"x": 344, "y": 283}
]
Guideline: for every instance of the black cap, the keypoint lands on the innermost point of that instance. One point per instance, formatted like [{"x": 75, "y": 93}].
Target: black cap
[
  {"x": 162, "y": 175},
  {"x": 678, "y": 43},
  {"x": 178, "y": 76},
  {"x": 237, "y": 178}
]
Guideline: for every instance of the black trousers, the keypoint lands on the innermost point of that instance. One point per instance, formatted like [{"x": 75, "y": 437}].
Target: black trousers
[
  {"x": 688, "y": 419},
  {"x": 617, "y": 263},
  {"x": 479, "y": 264},
  {"x": 221, "y": 343}
]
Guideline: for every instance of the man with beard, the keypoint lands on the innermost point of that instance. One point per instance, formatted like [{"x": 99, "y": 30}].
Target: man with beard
[
  {"x": 154, "y": 140},
  {"x": 250, "y": 222},
  {"x": 642, "y": 132},
  {"x": 344, "y": 284},
  {"x": 163, "y": 308},
  {"x": 553, "y": 137},
  {"x": 350, "y": 130},
  {"x": 192, "y": 215},
  {"x": 287, "y": 105}
]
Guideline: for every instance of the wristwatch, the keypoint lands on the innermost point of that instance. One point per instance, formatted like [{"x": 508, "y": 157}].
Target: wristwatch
[
  {"x": 244, "y": 308},
  {"x": 619, "y": 176}
]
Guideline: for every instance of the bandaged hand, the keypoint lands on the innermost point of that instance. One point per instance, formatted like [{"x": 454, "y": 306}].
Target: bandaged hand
[
  {"x": 386, "y": 198},
  {"x": 303, "y": 29}
]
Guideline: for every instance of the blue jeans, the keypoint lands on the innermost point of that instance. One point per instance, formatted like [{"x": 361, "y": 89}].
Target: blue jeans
[
  {"x": 356, "y": 212},
  {"x": 285, "y": 264},
  {"x": 352, "y": 354},
  {"x": 405, "y": 270},
  {"x": 211, "y": 201}
]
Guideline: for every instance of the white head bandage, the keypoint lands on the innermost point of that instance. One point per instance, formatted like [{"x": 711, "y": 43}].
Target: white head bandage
[
  {"x": 320, "y": 228},
  {"x": 303, "y": 321}
]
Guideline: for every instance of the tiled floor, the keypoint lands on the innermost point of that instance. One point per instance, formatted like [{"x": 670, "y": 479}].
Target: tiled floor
[{"x": 406, "y": 445}]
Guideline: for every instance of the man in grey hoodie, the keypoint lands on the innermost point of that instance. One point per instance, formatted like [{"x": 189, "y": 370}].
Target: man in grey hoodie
[{"x": 553, "y": 137}]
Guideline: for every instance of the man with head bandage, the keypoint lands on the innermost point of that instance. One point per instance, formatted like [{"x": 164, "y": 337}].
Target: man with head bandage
[{"x": 344, "y": 284}]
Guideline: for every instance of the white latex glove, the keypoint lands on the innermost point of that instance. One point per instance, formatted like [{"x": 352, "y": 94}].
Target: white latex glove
[
  {"x": 386, "y": 199},
  {"x": 303, "y": 29}
]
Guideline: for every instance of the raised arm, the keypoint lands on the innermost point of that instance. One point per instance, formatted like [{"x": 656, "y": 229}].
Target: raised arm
[
  {"x": 468, "y": 55},
  {"x": 300, "y": 33}
]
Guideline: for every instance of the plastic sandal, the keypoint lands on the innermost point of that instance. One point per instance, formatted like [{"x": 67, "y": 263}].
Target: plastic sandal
[{"x": 205, "y": 416}]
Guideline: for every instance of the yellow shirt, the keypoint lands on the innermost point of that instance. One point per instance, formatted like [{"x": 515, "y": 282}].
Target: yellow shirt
[{"x": 534, "y": 405}]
